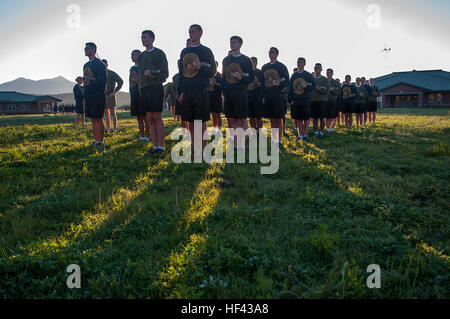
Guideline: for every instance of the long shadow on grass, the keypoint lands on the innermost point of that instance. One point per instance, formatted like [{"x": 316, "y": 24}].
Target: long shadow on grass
[
  {"x": 126, "y": 249},
  {"x": 300, "y": 233},
  {"x": 83, "y": 178}
]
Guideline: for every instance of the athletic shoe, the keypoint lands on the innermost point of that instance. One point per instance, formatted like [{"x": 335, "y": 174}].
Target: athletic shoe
[
  {"x": 152, "y": 152},
  {"x": 100, "y": 147},
  {"x": 160, "y": 152},
  {"x": 114, "y": 131},
  {"x": 321, "y": 134},
  {"x": 305, "y": 139}
]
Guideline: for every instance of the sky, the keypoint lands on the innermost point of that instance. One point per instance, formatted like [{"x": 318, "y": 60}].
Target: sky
[{"x": 45, "y": 38}]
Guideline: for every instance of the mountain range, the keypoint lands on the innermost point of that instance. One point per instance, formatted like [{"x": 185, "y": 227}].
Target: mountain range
[{"x": 58, "y": 87}]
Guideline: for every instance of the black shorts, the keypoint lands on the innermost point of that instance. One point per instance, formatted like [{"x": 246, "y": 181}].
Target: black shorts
[
  {"x": 152, "y": 98},
  {"x": 372, "y": 106},
  {"x": 215, "y": 104},
  {"x": 236, "y": 104},
  {"x": 318, "y": 109},
  {"x": 273, "y": 107},
  {"x": 359, "y": 108},
  {"x": 338, "y": 106},
  {"x": 255, "y": 106},
  {"x": 332, "y": 112},
  {"x": 95, "y": 105},
  {"x": 195, "y": 105},
  {"x": 79, "y": 108},
  {"x": 136, "y": 109},
  {"x": 301, "y": 110},
  {"x": 347, "y": 106},
  {"x": 178, "y": 108}
]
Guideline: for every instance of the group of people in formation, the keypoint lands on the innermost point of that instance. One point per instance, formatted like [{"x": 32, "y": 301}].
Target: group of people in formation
[{"x": 242, "y": 92}]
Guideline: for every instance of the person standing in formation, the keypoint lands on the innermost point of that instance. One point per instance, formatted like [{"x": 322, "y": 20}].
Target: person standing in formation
[
  {"x": 301, "y": 86},
  {"x": 153, "y": 71},
  {"x": 78, "y": 93},
  {"x": 276, "y": 78},
  {"x": 94, "y": 78},
  {"x": 237, "y": 75},
  {"x": 136, "y": 109},
  {"x": 197, "y": 65},
  {"x": 112, "y": 78}
]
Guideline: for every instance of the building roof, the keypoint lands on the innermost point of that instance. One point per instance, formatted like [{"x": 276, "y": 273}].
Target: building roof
[
  {"x": 431, "y": 80},
  {"x": 17, "y": 97}
]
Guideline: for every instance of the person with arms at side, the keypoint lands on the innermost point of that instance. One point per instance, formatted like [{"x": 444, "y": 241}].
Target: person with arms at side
[
  {"x": 153, "y": 71},
  {"x": 319, "y": 100},
  {"x": 373, "y": 102},
  {"x": 369, "y": 92},
  {"x": 136, "y": 109},
  {"x": 78, "y": 93},
  {"x": 112, "y": 78},
  {"x": 94, "y": 78}
]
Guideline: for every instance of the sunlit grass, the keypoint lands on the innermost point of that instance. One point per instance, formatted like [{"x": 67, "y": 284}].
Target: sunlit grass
[{"x": 147, "y": 228}]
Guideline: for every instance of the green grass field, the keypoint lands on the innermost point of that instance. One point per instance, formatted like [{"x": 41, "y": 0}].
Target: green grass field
[{"x": 145, "y": 228}]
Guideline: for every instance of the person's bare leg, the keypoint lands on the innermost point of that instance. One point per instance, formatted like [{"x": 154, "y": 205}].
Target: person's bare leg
[
  {"x": 108, "y": 120},
  {"x": 77, "y": 117},
  {"x": 101, "y": 128},
  {"x": 147, "y": 126},
  {"x": 316, "y": 125},
  {"x": 83, "y": 120},
  {"x": 276, "y": 126},
  {"x": 322, "y": 124},
  {"x": 114, "y": 118},
  {"x": 141, "y": 125},
  {"x": 95, "y": 129},
  {"x": 153, "y": 129},
  {"x": 305, "y": 127},
  {"x": 161, "y": 129}
]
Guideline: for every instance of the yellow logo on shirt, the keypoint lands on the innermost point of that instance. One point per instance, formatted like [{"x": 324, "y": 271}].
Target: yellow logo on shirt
[
  {"x": 231, "y": 69},
  {"x": 255, "y": 84},
  {"x": 87, "y": 73},
  {"x": 346, "y": 92},
  {"x": 270, "y": 76},
  {"x": 188, "y": 65},
  {"x": 298, "y": 86}
]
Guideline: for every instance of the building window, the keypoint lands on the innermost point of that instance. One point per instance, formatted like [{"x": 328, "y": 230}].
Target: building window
[
  {"x": 434, "y": 98},
  {"x": 25, "y": 107},
  {"x": 11, "y": 107},
  {"x": 431, "y": 98}
]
